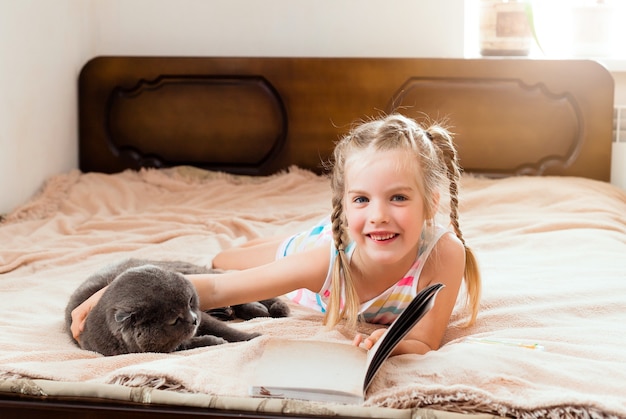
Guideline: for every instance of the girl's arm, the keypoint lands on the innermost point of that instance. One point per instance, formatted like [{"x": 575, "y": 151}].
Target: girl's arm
[
  {"x": 446, "y": 264},
  {"x": 301, "y": 270}
]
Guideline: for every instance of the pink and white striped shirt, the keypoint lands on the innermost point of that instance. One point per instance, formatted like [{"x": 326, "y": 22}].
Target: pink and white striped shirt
[{"x": 384, "y": 308}]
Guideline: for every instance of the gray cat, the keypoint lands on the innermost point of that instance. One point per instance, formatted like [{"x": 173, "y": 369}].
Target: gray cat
[{"x": 149, "y": 306}]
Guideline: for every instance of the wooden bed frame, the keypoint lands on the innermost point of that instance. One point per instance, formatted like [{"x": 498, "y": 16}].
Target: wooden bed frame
[{"x": 260, "y": 115}]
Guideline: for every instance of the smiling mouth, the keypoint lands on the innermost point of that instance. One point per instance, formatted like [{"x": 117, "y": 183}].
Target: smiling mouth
[{"x": 382, "y": 237}]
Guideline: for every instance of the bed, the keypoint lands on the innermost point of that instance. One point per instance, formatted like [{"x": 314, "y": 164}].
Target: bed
[{"x": 183, "y": 156}]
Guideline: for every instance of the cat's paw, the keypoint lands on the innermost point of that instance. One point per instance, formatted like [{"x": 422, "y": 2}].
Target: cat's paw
[
  {"x": 200, "y": 341},
  {"x": 222, "y": 313},
  {"x": 278, "y": 308},
  {"x": 249, "y": 311},
  {"x": 273, "y": 307}
]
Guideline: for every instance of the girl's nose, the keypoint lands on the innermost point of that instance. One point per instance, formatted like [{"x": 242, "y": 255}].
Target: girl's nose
[{"x": 378, "y": 213}]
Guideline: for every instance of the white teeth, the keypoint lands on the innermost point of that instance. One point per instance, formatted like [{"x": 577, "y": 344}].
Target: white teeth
[{"x": 382, "y": 237}]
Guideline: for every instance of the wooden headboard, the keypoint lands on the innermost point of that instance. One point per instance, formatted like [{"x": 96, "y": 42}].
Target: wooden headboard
[{"x": 259, "y": 115}]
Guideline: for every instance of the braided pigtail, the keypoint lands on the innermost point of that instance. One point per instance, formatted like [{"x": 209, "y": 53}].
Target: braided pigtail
[
  {"x": 443, "y": 140},
  {"x": 341, "y": 274},
  {"x": 342, "y": 284}
]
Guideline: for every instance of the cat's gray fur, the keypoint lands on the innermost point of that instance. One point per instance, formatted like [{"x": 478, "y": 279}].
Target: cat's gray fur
[{"x": 149, "y": 306}]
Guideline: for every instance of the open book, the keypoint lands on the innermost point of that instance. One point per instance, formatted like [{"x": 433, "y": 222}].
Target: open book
[{"x": 332, "y": 371}]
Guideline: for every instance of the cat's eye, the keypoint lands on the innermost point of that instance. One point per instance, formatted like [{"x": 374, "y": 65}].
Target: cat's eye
[{"x": 174, "y": 322}]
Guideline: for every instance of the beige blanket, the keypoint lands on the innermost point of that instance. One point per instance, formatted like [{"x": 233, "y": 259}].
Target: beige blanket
[{"x": 552, "y": 252}]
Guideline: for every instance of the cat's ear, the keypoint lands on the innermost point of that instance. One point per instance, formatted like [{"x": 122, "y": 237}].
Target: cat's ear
[{"x": 122, "y": 315}]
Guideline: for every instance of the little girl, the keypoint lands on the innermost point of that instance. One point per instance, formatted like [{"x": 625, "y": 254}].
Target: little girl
[{"x": 379, "y": 248}]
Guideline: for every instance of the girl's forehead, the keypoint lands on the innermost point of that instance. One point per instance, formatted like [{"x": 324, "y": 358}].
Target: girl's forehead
[{"x": 398, "y": 160}]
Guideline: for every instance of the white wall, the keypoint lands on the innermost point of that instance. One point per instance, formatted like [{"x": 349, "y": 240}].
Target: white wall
[
  {"x": 281, "y": 27},
  {"x": 44, "y": 43}
]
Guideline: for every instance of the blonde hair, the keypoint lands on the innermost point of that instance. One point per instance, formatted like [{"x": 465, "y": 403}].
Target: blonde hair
[{"x": 436, "y": 156}]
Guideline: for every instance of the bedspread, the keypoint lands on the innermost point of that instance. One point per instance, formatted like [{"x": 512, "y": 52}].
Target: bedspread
[{"x": 552, "y": 253}]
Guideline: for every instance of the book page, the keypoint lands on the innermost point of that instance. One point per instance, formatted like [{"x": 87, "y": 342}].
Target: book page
[{"x": 301, "y": 365}]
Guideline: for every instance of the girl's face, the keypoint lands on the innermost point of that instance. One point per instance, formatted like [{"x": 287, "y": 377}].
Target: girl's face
[{"x": 384, "y": 206}]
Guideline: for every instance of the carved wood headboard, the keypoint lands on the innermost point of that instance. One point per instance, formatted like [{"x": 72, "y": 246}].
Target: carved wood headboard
[{"x": 259, "y": 115}]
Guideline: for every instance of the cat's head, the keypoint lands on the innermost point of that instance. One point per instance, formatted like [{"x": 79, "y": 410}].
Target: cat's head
[{"x": 151, "y": 309}]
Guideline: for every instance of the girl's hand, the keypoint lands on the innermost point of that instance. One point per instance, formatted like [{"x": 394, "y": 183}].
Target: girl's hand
[
  {"x": 369, "y": 341},
  {"x": 79, "y": 314},
  {"x": 405, "y": 346}
]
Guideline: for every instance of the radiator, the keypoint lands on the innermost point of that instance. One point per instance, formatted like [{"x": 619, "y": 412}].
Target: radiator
[{"x": 618, "y": 153}]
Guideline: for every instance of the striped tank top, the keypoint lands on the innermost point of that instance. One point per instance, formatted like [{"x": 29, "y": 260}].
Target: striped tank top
[{"x": 386, "y": 307}]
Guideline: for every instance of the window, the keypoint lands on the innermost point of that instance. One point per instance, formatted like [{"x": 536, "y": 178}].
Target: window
[{"x": 563, "y": 28}]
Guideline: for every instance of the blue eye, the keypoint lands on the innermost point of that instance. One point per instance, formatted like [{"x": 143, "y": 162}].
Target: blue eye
[
  {"x": 360, "y": 200},
  {"x": 399, "y": 198}
]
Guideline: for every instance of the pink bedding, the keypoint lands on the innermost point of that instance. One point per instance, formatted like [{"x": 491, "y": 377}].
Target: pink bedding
[{"x": 552, "y": 252}]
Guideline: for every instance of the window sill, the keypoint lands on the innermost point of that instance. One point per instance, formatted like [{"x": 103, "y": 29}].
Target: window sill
[{"x": 614, "y": 65}]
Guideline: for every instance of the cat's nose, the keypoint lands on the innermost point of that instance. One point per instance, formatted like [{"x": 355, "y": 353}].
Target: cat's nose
[{"x": 194, "y": 316}]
